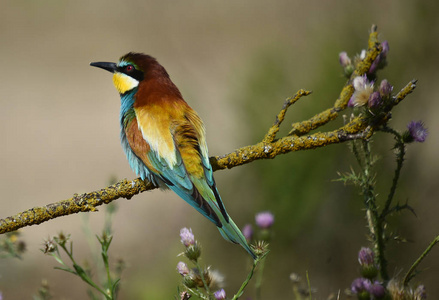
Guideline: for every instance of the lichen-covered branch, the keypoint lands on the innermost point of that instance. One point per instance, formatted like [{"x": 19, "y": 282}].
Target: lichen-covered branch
[
  {"x": 299, "y": 138},
  {"x": 78, "y": 203}
]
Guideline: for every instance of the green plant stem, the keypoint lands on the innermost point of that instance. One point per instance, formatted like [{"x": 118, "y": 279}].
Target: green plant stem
[
  {"x": 356, "y": 154},
  {"x": 409, "y": 274},
  {"x": 247, "y": 280},
  {"x": 107, "y": 269},
  {"x": 400, "y": 146},
  {"x": 84, "y": 276},
  {"x": 309, "y": 285},
  {"x": 105, "y": 242},
  {"x": 380, "y": 247},
  {"x": 376, "y": 223},
  {"x": 258, "y": 283}
]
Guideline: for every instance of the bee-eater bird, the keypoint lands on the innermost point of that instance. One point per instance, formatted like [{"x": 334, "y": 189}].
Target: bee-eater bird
[{"x": 164, "y": 138}]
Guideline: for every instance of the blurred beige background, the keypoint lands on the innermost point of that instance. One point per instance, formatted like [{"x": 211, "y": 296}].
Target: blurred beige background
[{"x": 235, "y": 62}]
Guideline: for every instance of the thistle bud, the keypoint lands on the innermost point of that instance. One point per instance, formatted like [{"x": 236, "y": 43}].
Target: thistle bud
[
  {"x": 380, "y": 62},
  {"x": 189, "y": 281},
  {"x": 62, "y": 239},
  {"x": 366, "y": 258},
  {"x": 374, "y": 100},
  {"x": 360, "y": 287},
  {"x": 385, "y": 88},
  {"x": 49, "y": 246},
  {"x": 182, "y": 268},
  {"x": 193, "y": 252},
  {"x": 345, "y": 61},
  {"x": 377, "y": 290}
]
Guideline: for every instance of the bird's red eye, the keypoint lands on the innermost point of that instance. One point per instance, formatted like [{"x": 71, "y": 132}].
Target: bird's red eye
[{"x": 129, "y": 68}]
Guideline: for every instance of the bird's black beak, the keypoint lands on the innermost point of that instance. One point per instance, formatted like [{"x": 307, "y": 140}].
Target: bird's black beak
[{"x": 109, "y": 66}]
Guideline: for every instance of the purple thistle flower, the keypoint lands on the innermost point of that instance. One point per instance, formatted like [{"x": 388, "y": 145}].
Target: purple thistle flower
[
  {"x": 385, "y": 88},
  {"x": 264, "y": 219},
  {"x": 377, "y": 290},
  {"x": 220, "y": 294},
  {"x": 187, "y": 237},
  {"x": 182, "y": 268},
  {"x": 417, "y": 131},
  {"x": 247, "y": 231},
  {"x": 375, "y": 100},
  {"x": 366, "y": 256},
  {"x": 360, "y": 285}
]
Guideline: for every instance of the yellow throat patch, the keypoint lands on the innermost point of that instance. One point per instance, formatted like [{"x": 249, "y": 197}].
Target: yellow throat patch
[{"x": 124, "y": 83}]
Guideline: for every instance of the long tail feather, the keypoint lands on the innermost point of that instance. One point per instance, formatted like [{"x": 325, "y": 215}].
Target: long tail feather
[{"x": 231, "y": 232}]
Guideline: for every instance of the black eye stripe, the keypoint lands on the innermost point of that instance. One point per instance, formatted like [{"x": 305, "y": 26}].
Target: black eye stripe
[
  {"x": 136, "y": 74},
  {"x": 123, "y": 69}
]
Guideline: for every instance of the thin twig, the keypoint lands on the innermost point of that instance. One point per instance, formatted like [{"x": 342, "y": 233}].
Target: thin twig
[
  {"x": 271, "y": 135},
  {"x": 249, "y": 276},
  {"x": 409, "y": 274},
  {"x": 408, "y": 89},
  {"x": 400, "y": 147}
]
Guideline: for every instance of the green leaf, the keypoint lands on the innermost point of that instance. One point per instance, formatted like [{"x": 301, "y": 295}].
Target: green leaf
[{"x": 65, "y": 269}]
